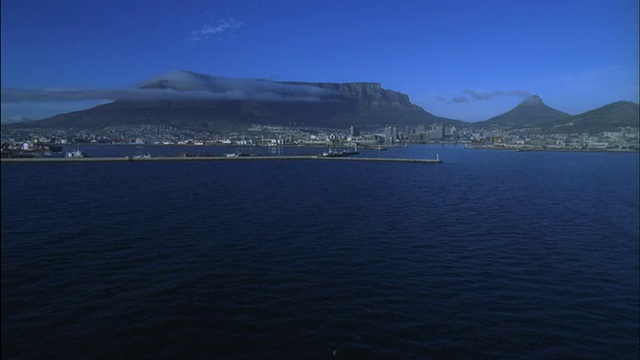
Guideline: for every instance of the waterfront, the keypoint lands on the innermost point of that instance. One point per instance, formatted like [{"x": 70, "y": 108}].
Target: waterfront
[
  {"x": 489, "y": 254},
  {"x": 625, "y": 138}
]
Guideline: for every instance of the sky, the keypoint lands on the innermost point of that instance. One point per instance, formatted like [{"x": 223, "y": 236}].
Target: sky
[{"x": 460, "y": 59}]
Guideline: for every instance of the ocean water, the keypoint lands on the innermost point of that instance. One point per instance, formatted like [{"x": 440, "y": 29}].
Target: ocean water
[{"x": 491, "y": 254}]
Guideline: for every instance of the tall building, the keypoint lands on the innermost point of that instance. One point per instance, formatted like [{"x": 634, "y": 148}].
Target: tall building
[
  {"x": 437, "y": 131},
  {"x": 450, "y": 132},
  {"x": 390, "y": 134}
]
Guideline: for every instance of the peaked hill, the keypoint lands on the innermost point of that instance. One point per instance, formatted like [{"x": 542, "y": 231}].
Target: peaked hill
[
  {"x": 529, "y": 113},
  {"x": 191, "y": 100}
]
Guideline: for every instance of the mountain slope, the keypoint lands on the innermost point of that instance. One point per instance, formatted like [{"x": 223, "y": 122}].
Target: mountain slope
[
  {"x": 529, "y": 113},
  {"x": 198, "y": 101},
  {"x": 606, "y": 118}
]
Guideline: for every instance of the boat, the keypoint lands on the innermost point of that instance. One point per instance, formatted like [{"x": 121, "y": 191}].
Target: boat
[
  {"x": 331, "y": 153},
  {"x": 237, "y": 154},
  {"x": 190, "y": 155},
  {"x": 145, "y": 156},
  {"x": 241, "y": 154},
  {"x": 43, "y": 154},
  {"x": 76, "y": 154},
  {"x": 334, "y": 153}
]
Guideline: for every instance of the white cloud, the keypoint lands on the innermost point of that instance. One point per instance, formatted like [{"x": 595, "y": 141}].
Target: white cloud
[
  {"x": 488, "y": 95},
  {"x": 172, "y": 86},
  {"x": 178, "y": 85},
  {"x": 208, "y": 31}
]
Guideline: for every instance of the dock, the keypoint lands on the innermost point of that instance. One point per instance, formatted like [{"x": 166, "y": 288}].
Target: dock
[{"x": 212, "y": 158}]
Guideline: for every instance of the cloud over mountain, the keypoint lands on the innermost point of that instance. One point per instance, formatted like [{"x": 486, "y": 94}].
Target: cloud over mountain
[
  {"x": 179, "y": 85},
  {"x": 197, "y": 101},
  {"x": 483, "y": 95},
  {"x": 488, "y": 95}
]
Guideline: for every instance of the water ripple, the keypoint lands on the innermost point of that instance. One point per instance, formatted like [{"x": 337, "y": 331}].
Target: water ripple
[{"x": 487, "y": 256}]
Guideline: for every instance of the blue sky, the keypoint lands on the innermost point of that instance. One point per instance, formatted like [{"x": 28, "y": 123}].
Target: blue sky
[{"x": 466, "y": 60}]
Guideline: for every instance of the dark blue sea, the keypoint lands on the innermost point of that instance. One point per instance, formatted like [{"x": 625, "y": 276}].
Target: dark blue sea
[{"x": 491, "y": 254}]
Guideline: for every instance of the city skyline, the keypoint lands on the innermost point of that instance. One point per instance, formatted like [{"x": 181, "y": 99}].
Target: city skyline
[{"x": 460, "y": 60}]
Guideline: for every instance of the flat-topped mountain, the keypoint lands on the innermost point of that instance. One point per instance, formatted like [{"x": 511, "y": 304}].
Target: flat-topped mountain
[{"x": 191, "y": 100}]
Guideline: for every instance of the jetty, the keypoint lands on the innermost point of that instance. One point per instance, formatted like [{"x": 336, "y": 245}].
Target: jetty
[{"x": 437, "y": 160}]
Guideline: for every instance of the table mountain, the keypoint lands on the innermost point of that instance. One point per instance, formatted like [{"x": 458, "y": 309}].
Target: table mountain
[{"x": 190, "y": 100}]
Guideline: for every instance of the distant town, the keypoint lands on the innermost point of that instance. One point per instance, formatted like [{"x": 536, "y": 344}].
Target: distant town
[{"x": 45, "y": 139}]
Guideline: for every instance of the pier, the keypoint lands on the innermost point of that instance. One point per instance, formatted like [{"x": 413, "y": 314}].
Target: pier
[{"x": 213, "y": 158}]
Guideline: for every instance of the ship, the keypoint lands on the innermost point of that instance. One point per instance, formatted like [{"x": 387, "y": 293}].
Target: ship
[
  {"x": 334, "y": 153},
  {"x": 76, "y": 154}
]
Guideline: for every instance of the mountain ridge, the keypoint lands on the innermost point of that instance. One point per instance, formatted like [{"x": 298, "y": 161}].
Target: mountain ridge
[
  {"x": 609, "y": 117},
  {"x": 201, "y": 102},
  {"x": 224, "y": 104}
]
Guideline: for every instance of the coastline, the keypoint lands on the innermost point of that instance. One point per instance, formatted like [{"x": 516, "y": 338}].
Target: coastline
[{"x": 529, "y": 149}]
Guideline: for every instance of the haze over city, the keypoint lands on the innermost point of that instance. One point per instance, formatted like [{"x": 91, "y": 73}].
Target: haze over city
[{"x": 462, "y": 60}]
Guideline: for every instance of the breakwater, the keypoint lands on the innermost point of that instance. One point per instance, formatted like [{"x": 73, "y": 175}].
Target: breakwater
[{"x": 213, "y": 158}]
